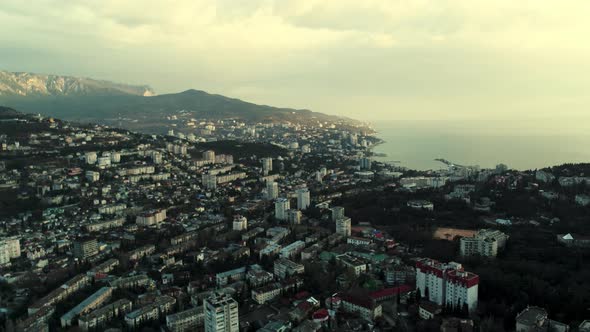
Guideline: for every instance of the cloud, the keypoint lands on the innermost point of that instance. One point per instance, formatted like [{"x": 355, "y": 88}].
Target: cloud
[{"x": 403, "y": 59}]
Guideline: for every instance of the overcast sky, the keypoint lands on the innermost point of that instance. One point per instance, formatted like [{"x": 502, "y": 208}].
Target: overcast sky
[{"x": 503, "y": 61}]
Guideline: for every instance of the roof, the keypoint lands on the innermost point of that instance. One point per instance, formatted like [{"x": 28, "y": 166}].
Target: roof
[{"x": 387, "y": 292}]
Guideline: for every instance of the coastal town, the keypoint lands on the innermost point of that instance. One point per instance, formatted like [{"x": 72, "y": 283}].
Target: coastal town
[{"x": 227, "y": 225}]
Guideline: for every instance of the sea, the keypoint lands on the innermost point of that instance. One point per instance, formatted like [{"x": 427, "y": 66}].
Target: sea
[{"x": 416, "y": 145}]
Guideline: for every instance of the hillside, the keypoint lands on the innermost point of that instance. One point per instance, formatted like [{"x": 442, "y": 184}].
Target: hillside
[
  {"x": 147, "y": 114},
  {"x": 31, "y": 84}
]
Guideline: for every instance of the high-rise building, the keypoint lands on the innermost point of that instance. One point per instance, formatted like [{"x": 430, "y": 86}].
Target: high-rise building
[
  {"x": 116, "y": 157},
  {"x": 91, "y": 158},
  {"x": 303, "y": 199},
  {"x": 365, "y": 163},
  {"x": 294, "y": 216},
  {"x": 272, "y": 190},
  {"x": 266, "y": 165},
  {"x": 85, "y": 247},
  {"x": 209, "y": 181},
  {"x": 282, "y": 205},
  {"x": 447, "y": 284},
  {"x": 209, "y": 155},
  {"x": 9, "y": 248},
  {"x": 240, "y": 223},
  {"x": 221, "y": 313},
  {"x": 343, "y": 226},
  {"x": 337, "y": 213}
]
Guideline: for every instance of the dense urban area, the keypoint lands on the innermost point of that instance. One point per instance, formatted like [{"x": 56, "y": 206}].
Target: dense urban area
[{"x": 231, "y": 225}]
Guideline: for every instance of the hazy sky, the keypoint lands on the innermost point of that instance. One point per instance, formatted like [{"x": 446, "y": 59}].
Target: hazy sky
[{"x": 508, "y": 62}]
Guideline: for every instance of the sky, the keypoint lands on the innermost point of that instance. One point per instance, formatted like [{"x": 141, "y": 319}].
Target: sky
[{"x": 504, "y": 63}]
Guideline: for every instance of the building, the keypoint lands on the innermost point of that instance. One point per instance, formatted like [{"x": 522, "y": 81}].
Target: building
[
  {"x": 221, "y": 313},
  {"x": 485, "y": 242},
  {"x": 112, "y": 208},
  {"x": 240, "y": 223},
  {"x": 153, "y": 311},
  {"x": 99, "y": 317},
  {"x": 428, "y": 310},
  {"x": 447, "y": 284},
  {"x": 399, "y": 275},
  {"x": 583, "y": 200},
  {"x": 185, "y": 321},
  {"x": 85, "y": 247},
  {"x": 294, "y": 216},
  {"x": 209, "y": 181},
  {"x": 61, "y": 293},
  {"x": 140, "y": 280},
  {"x": 272, "y": 291},
  {"x": 272, "y": 190},
  {"x": 257, "y": 278},
  {"x": 303, "y": 199},
  {"x": 92, "y": 176},
  {"x": 209, "y": 155},
  {"x": 353, "y": 264},
  {"x": 421, "y": 205},
  {"x": 91, "y": 158},
  {"x": 291, "y": 250},
  {"x": 535, "y": 319},
  {"x": 363, "y": 306},
  {"x": 104, "y": 225},
  {"x": 270, "y": 250},
  {"x": 38, "y": 321},
  {"x": 337, "y": 213},
  {"x": 9, "y": 249},
  {"x": 285, "y": 268},
  {"x": 365, "y": 163},
  {"x": 92, "y": 302},
  {"x": 282, "y": 205},
  {"x": 141, "y": 252},
  {"x": 151, "y": 218},
  {"x": 266, "y": 165},
  {"x": 343, "y": 226}
]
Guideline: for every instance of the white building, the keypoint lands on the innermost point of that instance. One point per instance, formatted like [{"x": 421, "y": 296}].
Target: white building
[
  {"x": 486, "y": 242},
  {"x": 272, "y": 190},
  {"x": 447, "y": 284},
  {"x": 282, "y": 205},
  {"x": 91, "y": 158},
  {"x": 151, "y": 218},
  {"x": 9, "y": 248},
  {"x": 209, "y": 181},
  {"x": 221, "y": 313},
  {"x": 150, "y": 312},
  {"x": 337, "y": 213},
  {"x": 240, "y": 223},
  {"x": 303, "y": 199},
  {"x": 185, "y": 321},
  {"x": 292, "y": 249},
  {"x": 266, "y": 165},
  {"x": 343, "y": 226},
  {"x": 92, "y": 176},
  {"x": 209, "y": 155},
  {"x": 285, "y": 268},
  {"x": 294, "y": 216}
]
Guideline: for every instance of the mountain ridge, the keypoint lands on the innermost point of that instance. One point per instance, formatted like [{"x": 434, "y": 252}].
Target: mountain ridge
[
  {"x": 104, "y": 102},
  {"x": 34, "y": 84}
]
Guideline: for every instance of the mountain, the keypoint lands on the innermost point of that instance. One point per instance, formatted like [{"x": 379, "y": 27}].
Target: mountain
[
  {"x": 30, "y": 84},
  {"x": 137, "y": 108}
]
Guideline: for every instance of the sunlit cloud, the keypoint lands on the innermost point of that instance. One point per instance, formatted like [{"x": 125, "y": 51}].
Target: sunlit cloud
[{"x": 457, "y": 59}]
